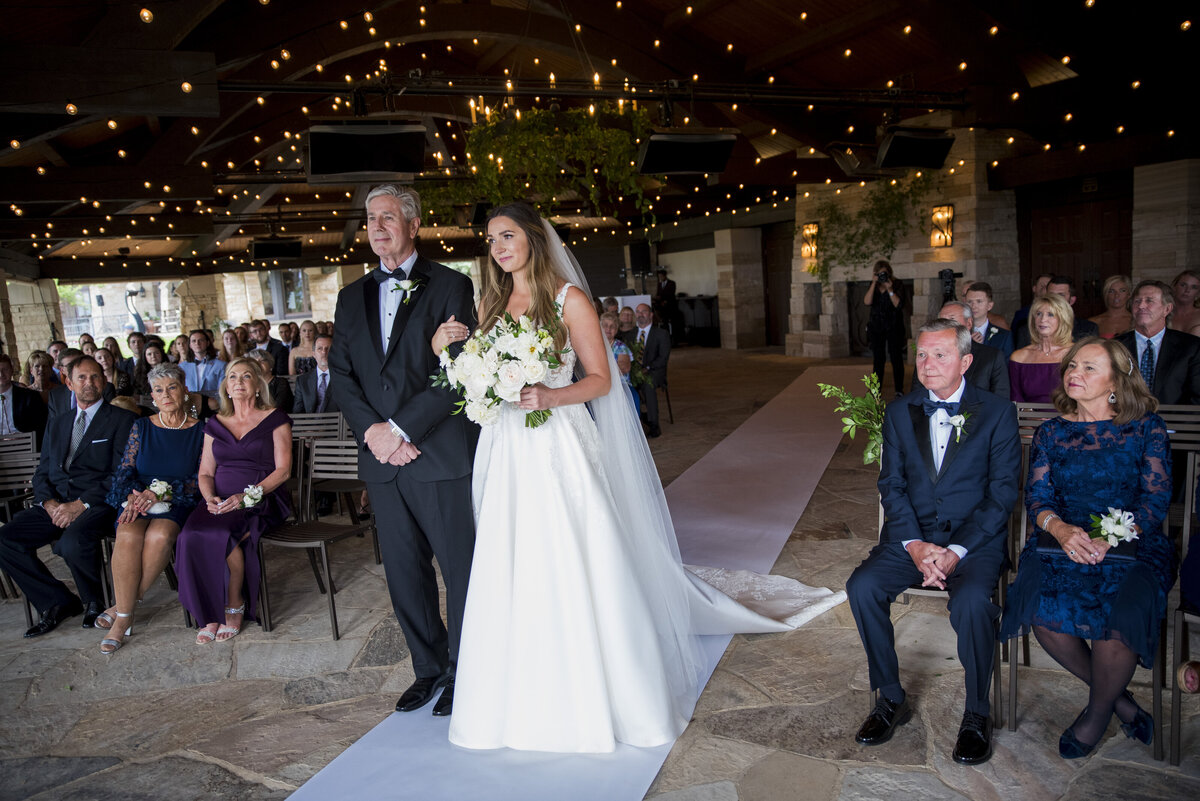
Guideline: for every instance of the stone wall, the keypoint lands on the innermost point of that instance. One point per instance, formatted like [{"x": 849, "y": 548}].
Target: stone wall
[
  {"x": 1166, "y": 219},
  {"x": 201, "y": 296},
  {"x": 26, "y": 313},
  {"x": 743, "y": 313}
]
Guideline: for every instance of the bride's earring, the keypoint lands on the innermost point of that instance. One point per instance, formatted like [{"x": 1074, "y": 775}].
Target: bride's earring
[{"x": 1112, "y": 398}]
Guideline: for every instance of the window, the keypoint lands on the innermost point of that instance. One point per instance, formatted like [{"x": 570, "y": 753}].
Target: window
[{"x": 285, "y": 293}]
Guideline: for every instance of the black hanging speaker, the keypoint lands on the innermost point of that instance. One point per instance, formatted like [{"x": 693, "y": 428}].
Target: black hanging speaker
[
  {"x": 275, "y": 248},
  {"x": 679, "y": 151},
  {"x": 352, "y": 151},
  {"x": 914, "y": 147}
]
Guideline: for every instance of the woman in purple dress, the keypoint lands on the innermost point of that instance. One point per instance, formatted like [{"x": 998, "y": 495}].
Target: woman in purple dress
[
  {"x": 247, "y": 445},
  {"x": 1033, "y": 371}
]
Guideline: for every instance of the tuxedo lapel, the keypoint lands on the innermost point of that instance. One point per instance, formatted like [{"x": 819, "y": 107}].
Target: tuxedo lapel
[
  {"x": 969, "y": 408},
  {"x": 920, "y": 424},
  {"x": 371, "y": 308},
  {"x": 419, "y": 273}
]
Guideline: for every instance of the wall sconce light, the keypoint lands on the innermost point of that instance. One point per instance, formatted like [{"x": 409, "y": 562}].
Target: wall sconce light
[
  {"x": 942, "y": 233},
  {"x": 808, "y": 241}
]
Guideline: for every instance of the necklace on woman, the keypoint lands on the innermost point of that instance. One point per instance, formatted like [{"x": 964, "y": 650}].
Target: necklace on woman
[{"x": 163, "y": 423}]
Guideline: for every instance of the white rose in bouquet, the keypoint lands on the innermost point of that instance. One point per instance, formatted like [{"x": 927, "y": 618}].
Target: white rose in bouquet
[
  {"x": 482, "y": 413},
  {"x": 510, "y": 380},
  {"x": 491, "y": 361},
  {"x": 535, "y": 371},
  {"x": 506, "y": 344}
]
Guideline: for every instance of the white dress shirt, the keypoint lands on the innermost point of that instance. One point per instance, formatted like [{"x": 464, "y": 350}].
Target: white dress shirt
[
  {"x": 389, "y": 304},
  {"x": 1142, "y": 339},
  {"x": 939, "y": 439}
]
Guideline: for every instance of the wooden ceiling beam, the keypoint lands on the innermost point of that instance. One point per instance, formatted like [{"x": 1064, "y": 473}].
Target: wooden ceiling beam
[
  {"x": 23, "y": 185},
  {"x": 173, "y": 21},
  {"x": 844, "y": 27}
]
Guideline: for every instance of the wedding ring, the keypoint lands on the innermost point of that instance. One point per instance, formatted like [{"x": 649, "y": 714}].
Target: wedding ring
[{"x": 1072, "y": 553}]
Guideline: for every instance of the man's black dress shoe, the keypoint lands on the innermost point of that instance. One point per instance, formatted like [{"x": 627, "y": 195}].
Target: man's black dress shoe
[
  {"x": 421, "y": 692},
  {"x": 445, "y": 704},
  {"x": 882, "y": 722},
  {"x": 91, "y": 611},
  {"x": 974, "y": 746},
  {"x": 53, "y": 616}
]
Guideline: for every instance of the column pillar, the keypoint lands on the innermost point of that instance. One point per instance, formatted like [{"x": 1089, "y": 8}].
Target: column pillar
[{"x": 740, "y": 301}]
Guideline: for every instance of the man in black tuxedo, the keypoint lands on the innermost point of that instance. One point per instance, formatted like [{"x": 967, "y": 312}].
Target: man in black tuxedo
[
  {"x": 1169, "y": 360},
  {"x": 21, "y": 409},
  {"x": 416, "y": 456},
  {"x": 979, "y": 297},
  {"x": 312, "y": 388},
  {"x": 989, "y": 368},
  {"x": 656, "y": 352},
  {"x": 1063, "y": 286},
  {"x": 948, "y": 482},
  {"x": 137, "y": 348},
  {"x": 260, "y": 336},
  {"x": 79, "y": 456}
]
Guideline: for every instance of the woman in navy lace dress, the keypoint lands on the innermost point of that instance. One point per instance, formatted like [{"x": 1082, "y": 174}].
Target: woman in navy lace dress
[
  {"x": 166, "y": 447},
  {"x": 1097, "y": 613}
]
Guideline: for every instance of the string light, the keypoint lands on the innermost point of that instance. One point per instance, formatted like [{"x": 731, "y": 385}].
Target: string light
[{"x": 146, "y": 15}]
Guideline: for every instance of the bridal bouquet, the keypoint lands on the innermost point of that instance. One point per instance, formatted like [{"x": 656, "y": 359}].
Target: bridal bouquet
[
  {"x": 162, "y": 491},
  {"x": 251, "y": 496},
  {"x": 495, "y": 366},
  {"x": 1115, "y": 527}
]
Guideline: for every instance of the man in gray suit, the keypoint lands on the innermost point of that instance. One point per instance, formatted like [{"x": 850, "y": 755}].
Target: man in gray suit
[{"x": 312, "y": 388}]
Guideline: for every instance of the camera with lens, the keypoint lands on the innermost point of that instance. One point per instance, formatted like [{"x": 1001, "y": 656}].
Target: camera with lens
[{"x": 882, "y": 276}]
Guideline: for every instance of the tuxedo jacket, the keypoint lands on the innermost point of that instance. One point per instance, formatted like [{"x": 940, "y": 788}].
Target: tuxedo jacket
[
  {"x": 967, "y": 502},
  {"x": 999, "y": 339},
  {"x": 371, "y": 386},
  {"x": 62, "y": 399},
  {"x": 1177, "y": 371},
  {"x": 306, "y": 394},
  {"x": 988, "y": 371},
  {"x": 214, "y": 374},
  {"x": 655, "y": 354},
  {"x": 1082, "y": 328},
  {"x": 90, "y": 475},
  {"x": 29, "y": 413}
]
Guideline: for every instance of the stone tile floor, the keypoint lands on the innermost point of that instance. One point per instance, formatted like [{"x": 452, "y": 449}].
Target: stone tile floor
[{"x": 254, "y": 718}]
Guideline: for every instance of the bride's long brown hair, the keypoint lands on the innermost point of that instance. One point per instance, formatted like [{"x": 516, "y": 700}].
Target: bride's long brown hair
[{"x": 543, "y": 281}]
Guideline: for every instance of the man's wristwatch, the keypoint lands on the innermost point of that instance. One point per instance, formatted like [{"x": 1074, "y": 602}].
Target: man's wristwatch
[{"x": 86, "y": 505}]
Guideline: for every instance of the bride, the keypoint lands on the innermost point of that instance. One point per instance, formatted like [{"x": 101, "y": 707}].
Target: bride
[{"x": 581, "y": 624}]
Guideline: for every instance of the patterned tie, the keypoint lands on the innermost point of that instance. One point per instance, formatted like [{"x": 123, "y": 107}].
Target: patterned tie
[
  {"x": 1147, "y": 365},
  {"x": 321, "y": 385},
  {"x": 641, "y": 338},
  {"x": 76, "y": 437},
  {"x": 5, "y": 418}
]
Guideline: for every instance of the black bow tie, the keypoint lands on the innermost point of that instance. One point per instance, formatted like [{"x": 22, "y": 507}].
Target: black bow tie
[
  {"x": 381, "y": 275},
  {"x": 931, "y": 406}
]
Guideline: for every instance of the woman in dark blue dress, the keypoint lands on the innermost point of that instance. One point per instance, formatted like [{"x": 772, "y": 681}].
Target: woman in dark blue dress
[
  {"x": 1097, "y": 613},
  {"x": 165, "y": 447}
]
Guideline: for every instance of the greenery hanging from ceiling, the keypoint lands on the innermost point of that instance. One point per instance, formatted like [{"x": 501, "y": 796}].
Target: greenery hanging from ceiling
[
  {"x": 855, "y": 240},
  {"x": 549, "y": 158}
]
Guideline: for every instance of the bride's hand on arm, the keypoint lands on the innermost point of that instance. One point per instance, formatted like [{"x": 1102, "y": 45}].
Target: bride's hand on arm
[{"x": 448, "y": 333}]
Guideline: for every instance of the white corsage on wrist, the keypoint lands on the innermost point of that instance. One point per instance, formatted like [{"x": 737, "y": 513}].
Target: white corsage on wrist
[
  {"x": 1115, "y": 527},
  {"x": 162, "y": 491},
  {"x": 251, "y": 496}
]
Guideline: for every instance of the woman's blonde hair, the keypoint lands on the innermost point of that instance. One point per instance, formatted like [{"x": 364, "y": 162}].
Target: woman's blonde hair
[
  {"x": 543, "y": 280},
  {"x": 1062, "y": 312},
  {"x": 1131, "y": 397},
  {"x": 262, "y": 398}
]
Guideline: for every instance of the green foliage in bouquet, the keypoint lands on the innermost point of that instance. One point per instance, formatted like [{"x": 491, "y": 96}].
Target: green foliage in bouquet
[
  {"x": 638, "y": 375},
  {"x": 865, "y": 412}
]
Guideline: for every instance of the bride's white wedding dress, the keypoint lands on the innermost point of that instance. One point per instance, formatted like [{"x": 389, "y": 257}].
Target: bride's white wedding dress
[{"x": 580, "y": 624}]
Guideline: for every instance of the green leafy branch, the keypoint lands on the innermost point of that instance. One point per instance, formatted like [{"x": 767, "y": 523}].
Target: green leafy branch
[{"x": 865, "y": 412}]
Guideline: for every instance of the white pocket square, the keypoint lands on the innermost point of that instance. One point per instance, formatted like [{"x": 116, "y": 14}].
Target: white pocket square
[{"x": 98, "y": 441}]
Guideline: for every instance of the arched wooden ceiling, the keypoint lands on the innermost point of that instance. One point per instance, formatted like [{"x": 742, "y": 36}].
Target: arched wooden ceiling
[{"x": 141, "y": 164}]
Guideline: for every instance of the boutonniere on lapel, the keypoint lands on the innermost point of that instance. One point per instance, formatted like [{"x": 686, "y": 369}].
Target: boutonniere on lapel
[
  {"x": 409, "y": 287},
  {"x": 959, "y": 421}
]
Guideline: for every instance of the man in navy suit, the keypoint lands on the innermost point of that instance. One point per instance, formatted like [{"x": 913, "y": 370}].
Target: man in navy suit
[
  {"x": 948, "y": 482},
  {"x": 416, "y": 456},
  {"x": 21, "y": 409},
  {"x": 80, "y": 454},
  {"x": 312, "y": 388},
  {"x": 979, "y": 297},
  {"x": 1169, "y": 360},
  {"x": 656, "y": 352}
]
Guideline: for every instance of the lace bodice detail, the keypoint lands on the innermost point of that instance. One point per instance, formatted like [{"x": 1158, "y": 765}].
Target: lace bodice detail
[{"x": 563, "y": 375}]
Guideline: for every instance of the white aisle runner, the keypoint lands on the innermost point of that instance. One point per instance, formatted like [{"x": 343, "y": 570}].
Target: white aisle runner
[{"x": 734, "y": 508}]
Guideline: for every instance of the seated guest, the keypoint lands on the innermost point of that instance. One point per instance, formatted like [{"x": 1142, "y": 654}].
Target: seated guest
[
  {"x": 655, "y": 346},
  {"x": 203, "y": 371},
  {"x": 165, "y": 447},
  {"x": 947, "y": 486},
  {"x": 62, "y": 399},
  {"x": 1169, "y": 360},
  {"x": 1033, "y": 369},
  {"x": 1115, "y": 319},
  {"x": 87, "y": 348},
  {"x": 55, "y": 349},
  {"x": 1186, "y": 291},
  {"x": 979, "y": 297},
  {"x": 152, "y": 356},
  {"x": 112, "y": 346},
  {"x": 300, "y": 355},
  {"x": 260, "y": 336},
  {"x": 625, "y": 321},
  {"x": 988, "y": 370},
  {"x": 248, "y": 443},
  {"x": 137, "y": 345},
  {"x": 21, "y": 409},
  {"x": 231, "y": 346},
  {"x": 1097, "y": 611},
  {"x": 609, "y": 324},
  {"x": 178, "y": 352},
  {"x": 610, "y": 304},
  {"x": 39, "y": 374},
  {"x": 80, "y": 453},
  {"x": 120, "y": 381},
  {"x": 281, "y": 390},
  {"x": 312, "y": 387},
  {"x": 243, "y": 334},
  {"x": 1063, "y": 286},
  {"x": 85, "y": 338}
]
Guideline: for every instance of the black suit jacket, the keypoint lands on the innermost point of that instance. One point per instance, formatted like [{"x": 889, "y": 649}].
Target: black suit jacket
[
  {"x": 61, "y": 398},
  {"x": 1177, "y": 371},
  {"x": 1083, "y": 328},
  {"x": 988, "y": 371},
  {"x": 90, "y": 475},
  {"x": 306, "y": 395},
  {"x": 371, "y": 386},
  {"x": 29, "y": 413},
  {"x": 280, "y": 352},
  {"x": 969, "y": 500},
  {"x": 655, "y": 354}
]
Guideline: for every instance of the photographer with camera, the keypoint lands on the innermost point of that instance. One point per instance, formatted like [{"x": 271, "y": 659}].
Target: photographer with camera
[{"x": 885, "y": 326}]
